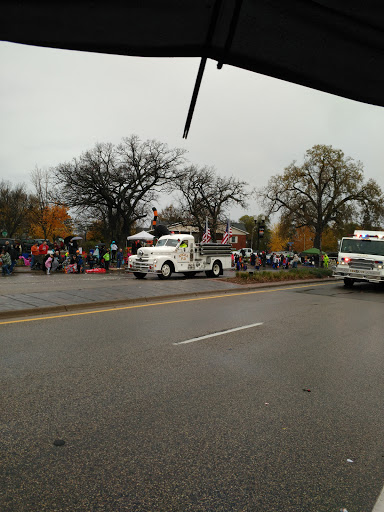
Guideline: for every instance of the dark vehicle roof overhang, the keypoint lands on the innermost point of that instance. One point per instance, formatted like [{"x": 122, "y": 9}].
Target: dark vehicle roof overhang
[{"x": 337, "y": 47}]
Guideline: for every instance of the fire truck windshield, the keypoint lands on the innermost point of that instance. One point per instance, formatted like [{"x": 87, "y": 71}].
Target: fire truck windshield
[
  {"x": 170, "y": 242},
  {"x": 363, "y": 246}
]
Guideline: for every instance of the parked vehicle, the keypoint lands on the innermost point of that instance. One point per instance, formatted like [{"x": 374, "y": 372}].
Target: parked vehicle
[{"x": 246, "y": 251}]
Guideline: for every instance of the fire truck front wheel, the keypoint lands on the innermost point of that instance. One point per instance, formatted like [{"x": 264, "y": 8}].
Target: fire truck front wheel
[
  {"x": 166, "y": 270},
  {"x": 348, "y": 283}
]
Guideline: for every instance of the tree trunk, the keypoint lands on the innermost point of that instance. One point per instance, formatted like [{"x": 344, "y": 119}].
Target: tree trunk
[{"x": 317, "y": 241}]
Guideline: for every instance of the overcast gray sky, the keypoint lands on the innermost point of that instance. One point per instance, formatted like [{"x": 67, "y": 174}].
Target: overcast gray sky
[{"x": 55, "y": 104}]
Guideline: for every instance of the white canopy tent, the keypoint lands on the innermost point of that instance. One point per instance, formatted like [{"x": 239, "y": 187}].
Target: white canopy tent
[{"x": 143, "y": 235}]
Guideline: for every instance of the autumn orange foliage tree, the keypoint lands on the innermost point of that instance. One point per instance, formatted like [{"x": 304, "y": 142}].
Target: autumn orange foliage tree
[
  {"x": 330, "y": 240},
  {"x": 51, "y": 222},
  {"x": 278, "y": 241},
  {"x": 303, "y": 239},
  {"x": 96, "y": 231}
]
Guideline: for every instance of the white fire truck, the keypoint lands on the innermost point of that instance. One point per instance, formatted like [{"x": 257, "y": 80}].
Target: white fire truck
[
  {"x": 180, "y": 253},
  {"x": 361, "y": 258}
]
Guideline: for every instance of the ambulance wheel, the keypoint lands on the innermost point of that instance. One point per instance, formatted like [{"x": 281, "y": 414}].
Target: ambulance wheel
[
  {"x": 166, "y": 271},
  {"x": 139, "y": 275},
  {"x": 348, "y": 283}
]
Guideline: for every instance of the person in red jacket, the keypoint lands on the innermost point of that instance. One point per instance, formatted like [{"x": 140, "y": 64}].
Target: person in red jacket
[
  {"x": 43, "y": 248},
  {"x": 43, "y": 251}
]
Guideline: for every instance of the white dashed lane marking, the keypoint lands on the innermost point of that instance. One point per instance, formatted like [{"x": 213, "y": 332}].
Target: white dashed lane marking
[{"x": 220, "y": 333}]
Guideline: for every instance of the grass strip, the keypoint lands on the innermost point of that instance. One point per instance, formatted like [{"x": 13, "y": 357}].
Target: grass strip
[{"x": 267, "y": 276}]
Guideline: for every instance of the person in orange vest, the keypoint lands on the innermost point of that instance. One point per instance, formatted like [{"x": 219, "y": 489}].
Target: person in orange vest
[
  {"x": 35, "y": 253},
  {"x": 154, "y": 221}
]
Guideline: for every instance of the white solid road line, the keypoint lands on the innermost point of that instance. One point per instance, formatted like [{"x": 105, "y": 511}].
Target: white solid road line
[
  {"x": 217, "y": 334},
  {"x": 379, "y": 505}
]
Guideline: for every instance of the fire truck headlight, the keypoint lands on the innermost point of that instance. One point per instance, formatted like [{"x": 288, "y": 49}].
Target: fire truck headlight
[{"x": 155, "y": 261}]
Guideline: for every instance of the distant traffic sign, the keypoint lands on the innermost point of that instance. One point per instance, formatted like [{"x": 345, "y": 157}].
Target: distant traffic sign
[{"x": 4, "y": 233}]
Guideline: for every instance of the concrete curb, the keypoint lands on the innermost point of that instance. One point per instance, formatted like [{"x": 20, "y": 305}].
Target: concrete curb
[{"x": 118, "y": 302}]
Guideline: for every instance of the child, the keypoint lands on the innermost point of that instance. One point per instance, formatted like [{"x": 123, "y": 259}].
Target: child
[{"x": 48, "y": 263}]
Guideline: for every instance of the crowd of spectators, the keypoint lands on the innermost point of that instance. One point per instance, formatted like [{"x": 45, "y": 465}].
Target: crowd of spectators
[
  {"x": 278, "y": 261},
  {"x": 59, "y": 256},
  {"x": 9, "y": 255}
]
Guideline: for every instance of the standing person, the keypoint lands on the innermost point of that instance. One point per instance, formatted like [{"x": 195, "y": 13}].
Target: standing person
[
  {"x": 91, "y": 259},
  {"x": 14, "y": 255},
  {"x": 263, "y": 259},
  {"x": 43, "y": 254},
  {"x": 48, "y": 264},
  {"x": 35, "y": 254},
  {"x": 6, "y": 260},
  {"x": 113, "y": 250},
  {"x": 43, "y": 249},
  {"x": 107, "y": 258},
  {"x": 101, "y": 252},
  {"x": 71, "y": 248},
  {"x": 79, "y": 262},
  {"x": 119, "y": 258},
  {"x": 295, "y": 261},
  {"x": 326, "y": 260}
]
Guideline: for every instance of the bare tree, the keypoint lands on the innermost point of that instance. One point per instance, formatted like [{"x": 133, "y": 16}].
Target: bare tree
[
  {"x": 170, "y": 215},
  {"x": 119, "y": 183},
  {"x": 14, "y": 208},
  {"x": 205, "y": 194},
  {"x": 326, "y": 189},
  {"x": 42, "y": 198}
]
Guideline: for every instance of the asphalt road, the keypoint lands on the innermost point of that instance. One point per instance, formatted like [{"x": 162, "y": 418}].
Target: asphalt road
[{"x": 264, "y": 419}]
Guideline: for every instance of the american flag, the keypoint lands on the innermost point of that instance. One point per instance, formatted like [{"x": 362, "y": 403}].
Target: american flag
[
  {"x": 207, "y": 233},
  {"x": 228, "y": 233}
]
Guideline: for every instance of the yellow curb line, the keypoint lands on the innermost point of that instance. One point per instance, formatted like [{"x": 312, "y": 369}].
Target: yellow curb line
[{"x": 162, "y": 303}]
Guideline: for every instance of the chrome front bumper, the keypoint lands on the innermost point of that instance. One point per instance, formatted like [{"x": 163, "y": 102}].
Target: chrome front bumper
[
  {"x": 359, "y": 275},
  {"x": 143, "y": 266}
]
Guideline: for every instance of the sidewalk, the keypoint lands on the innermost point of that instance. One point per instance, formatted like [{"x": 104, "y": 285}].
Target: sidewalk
[{"x": 34, "y": 293}]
